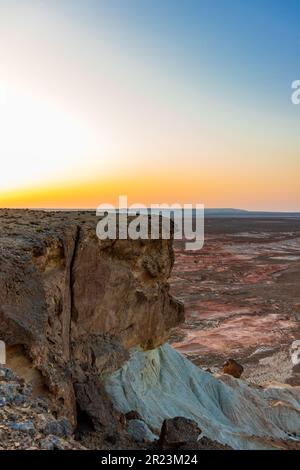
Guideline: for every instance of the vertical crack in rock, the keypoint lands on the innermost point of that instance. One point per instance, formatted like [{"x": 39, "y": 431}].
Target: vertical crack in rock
[{"x": 70, "y": 253}]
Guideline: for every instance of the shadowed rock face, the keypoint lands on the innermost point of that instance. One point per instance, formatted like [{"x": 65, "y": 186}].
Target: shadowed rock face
[
  {"x": 26, "y": 423},
  {"x": 76, "y": 304}
]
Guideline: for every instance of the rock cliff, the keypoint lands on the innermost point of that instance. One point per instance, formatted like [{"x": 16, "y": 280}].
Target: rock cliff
[{"x": 72, "y": 305}]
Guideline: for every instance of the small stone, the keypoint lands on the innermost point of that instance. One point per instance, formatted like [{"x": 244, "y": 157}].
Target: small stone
[
  {"x": 231, "y": 367},
  {"x": 66, "y": 427},
  {"x": 3, "y": 401},
  {"x": 140, "y": 432},
  {"x": 27, "y": 389},
  {"x": 8, "y": 374},
  {"x": 133, "y": 414},
  {"x": 60, "y": 427},
  {"x": 26, "y": 427},
  {"x": 8, "y": 391},
  {"x": 19, "y": 399},
  {"x": 47, "y": 444},
  {"x": 51, "y": 443},
  {"x": 52, "y": 427}
]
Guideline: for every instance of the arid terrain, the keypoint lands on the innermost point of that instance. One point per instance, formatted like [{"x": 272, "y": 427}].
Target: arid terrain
[
  {"x": 242, "y": 297},
  {"x": 86, "y": 325}
]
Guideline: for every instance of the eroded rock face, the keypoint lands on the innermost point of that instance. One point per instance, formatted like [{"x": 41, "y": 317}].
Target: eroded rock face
[
  {"x": 75, "y": 304},
  {"x": 162, "y": 384}
]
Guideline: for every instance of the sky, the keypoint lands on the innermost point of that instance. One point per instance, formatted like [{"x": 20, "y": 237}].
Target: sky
[{"x": 165, "y": 101}]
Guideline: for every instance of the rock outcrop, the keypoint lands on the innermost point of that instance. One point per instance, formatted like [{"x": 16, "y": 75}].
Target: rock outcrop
[
  {"x": 181, "y": 433},
  {"x": 178, "y": 431},
  {"x": 162, "y": 384},
  {"x": 71, "y": 305}
]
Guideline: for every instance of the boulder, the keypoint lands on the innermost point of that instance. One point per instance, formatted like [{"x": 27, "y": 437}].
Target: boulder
[
  {"x": 177, "y": 432},
  {"x": 231, "y": 367},
  {"x": 25, "y": 421},
  {"x": 133, "y": 414}
]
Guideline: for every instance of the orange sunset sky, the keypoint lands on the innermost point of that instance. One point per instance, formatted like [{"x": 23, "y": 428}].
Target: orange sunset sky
[{"x": 164, "y": 102}]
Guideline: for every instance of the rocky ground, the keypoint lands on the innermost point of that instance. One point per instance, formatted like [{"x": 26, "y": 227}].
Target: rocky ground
[
  {"x": 242, "y": 297},
  {"x": 26, "y": 422}
]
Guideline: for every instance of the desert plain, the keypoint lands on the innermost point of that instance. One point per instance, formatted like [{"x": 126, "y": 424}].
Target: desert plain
[{"x": 242, "y": 297}]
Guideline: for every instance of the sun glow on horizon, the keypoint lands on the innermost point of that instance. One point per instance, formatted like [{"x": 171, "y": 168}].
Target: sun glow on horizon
[
  {"x": 162, "y": 102},
  {"x": 40, "y": 142}
]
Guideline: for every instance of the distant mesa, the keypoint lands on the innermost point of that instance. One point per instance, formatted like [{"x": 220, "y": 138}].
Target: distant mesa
[{"x": 230, "y": 212}]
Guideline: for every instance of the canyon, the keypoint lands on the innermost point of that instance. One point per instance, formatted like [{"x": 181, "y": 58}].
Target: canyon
[{"x": 86, "y": 323}]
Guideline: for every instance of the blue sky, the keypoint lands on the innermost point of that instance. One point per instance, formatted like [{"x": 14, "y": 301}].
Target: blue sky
[
  {"x": 252, "y": 43},
  {"x": 191, "y": 91}
]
